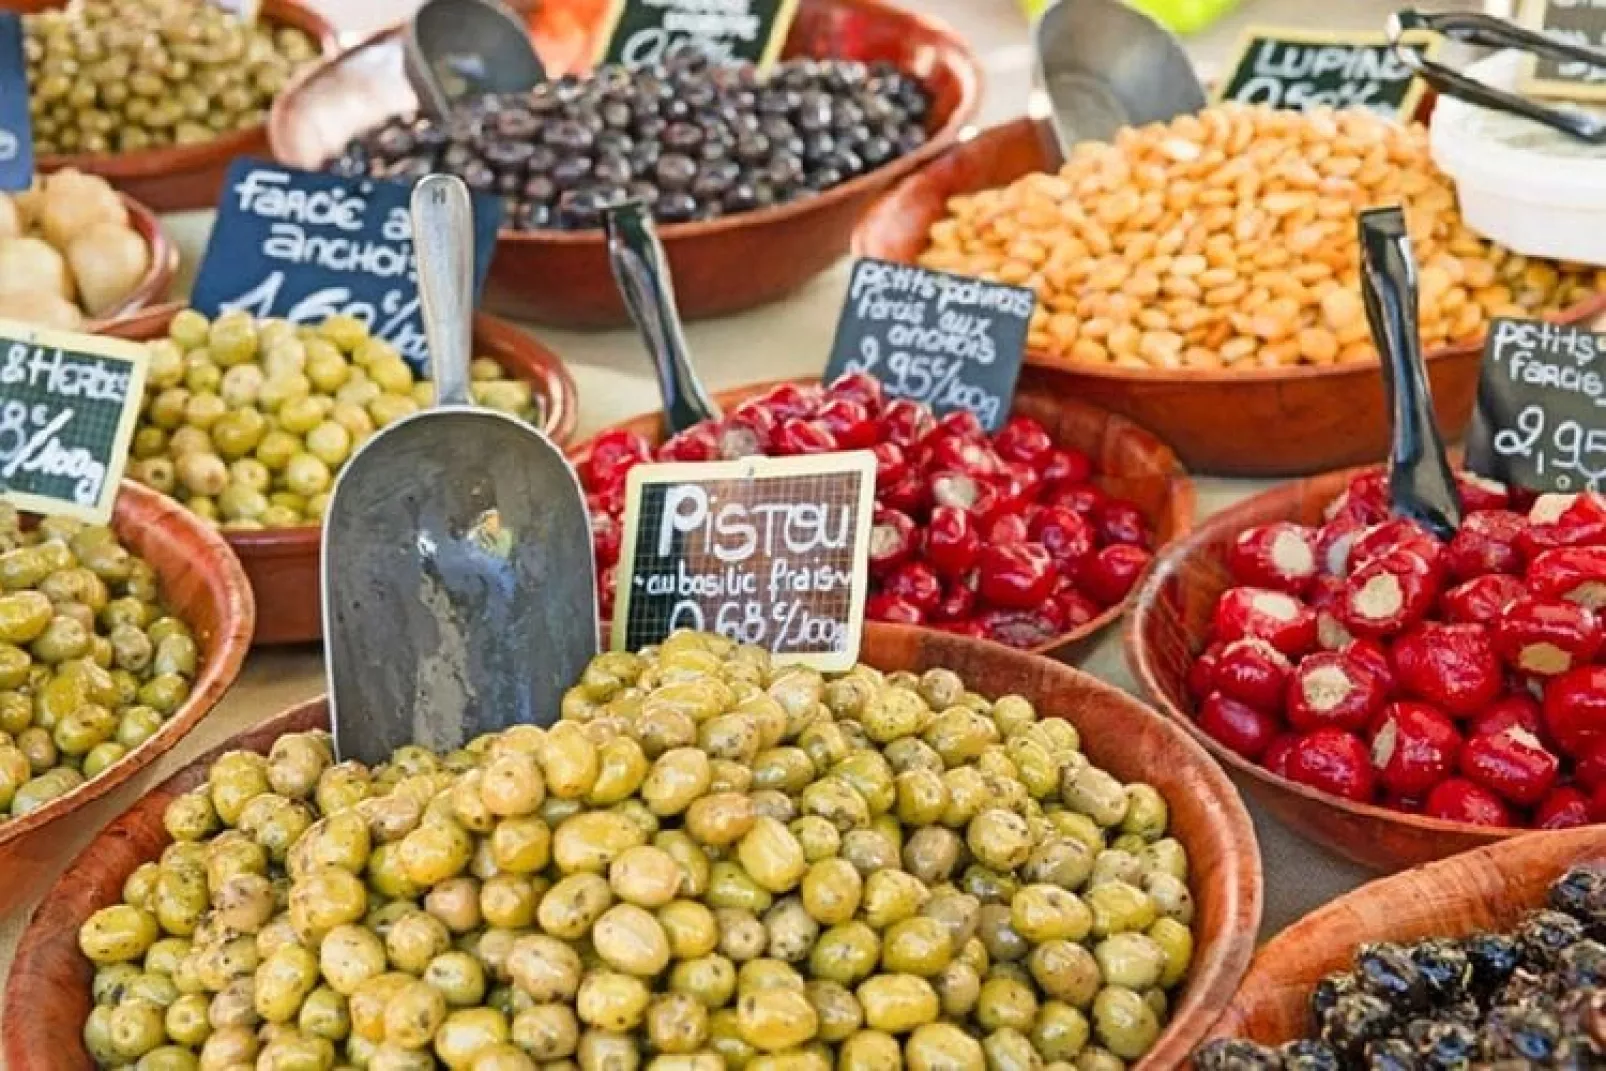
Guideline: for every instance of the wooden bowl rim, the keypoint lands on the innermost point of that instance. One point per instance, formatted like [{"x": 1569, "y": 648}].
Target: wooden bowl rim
[
  {"x": 1140, "y": 659},
  {"x": 175, "y": 159},
  {"x": 966, "y": 69},
  {"x": 1299, "y": 937},
  {"x": 862, "y": 245},
  {"x": 1179, "y": 502},
  {"x": 224, "y": 656},
  {"x": 563, "y": 413},
  {"x": 153, "y": 284},
  {"x": 1237, "y": 874}
]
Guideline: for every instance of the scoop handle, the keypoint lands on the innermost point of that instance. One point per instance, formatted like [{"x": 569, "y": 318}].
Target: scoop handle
[
  {"x": 642, "y": 272},
  {"x": 1421, "y": 483},
  {"x": 443, "y": 246}
]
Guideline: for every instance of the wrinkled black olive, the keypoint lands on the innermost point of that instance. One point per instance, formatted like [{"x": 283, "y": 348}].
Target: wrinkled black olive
[
  {"x": 1581, "y": 893},
  {"x": 1236, "y": 1055},
  {"x": 1583, "y": 966},
  {"x": 1307, "y": 1054},
  {"x": 1544, "y": 935},
  {"x": 1520, "y": 1032},
  {"x": 1390, "y": 1054},
  {"x": 1442, "y": 1046},
  {"x": 1389, "y": 972},
  {"x": 1494, "y": 957},
  {"x": 1445, "y": 969},
  {"x": 1354, "y": 1021},
  {"x": 1326, "y": 994}
]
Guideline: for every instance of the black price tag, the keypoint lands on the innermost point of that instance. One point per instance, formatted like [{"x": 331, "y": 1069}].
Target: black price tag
[
  {"x": 1298, "y": 70},
  {"x": 1583, "y": 22},
  {"x": 16, "y": 129},
  {"x": 767, "y": 551},
  {"x": 949, "y": 341},
  {"x": 641, "y": 32},
  {"x": 1540, "y": 420},
  {"x": 68, "y": 405},
  {"x": 306, "y": 246}
]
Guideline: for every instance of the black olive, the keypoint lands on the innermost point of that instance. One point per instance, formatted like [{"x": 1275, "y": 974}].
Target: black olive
[
  {"x": 516, "y": 124},
  {"x": 675, "y": 171},
  {"x": 1520, "y": 1032},
  {"x": 1493, "y": 957},
  {"x": 1390, "y": 1054},
  {"x": 1440, "y": 1045},
  {"x": 613, "y": 169},
  {"x": 1307, "y": 1054},
  {"x": 507, "y": 155},
  {"x": 1544, "y": 935},
  {"x": 532, "y": 217},
  {"x": 1583, "y": 966},
  {"x": 539, "y": 188},
  {"x": 676, "y": 206},
  {"x": 541, "y": 160},
  {"x": 1581, "y": 893},
  {"x": 1355, "y": 1020},
  {"x": 478, "y": 175},
  {"x": 571, "y": 171},
  {"x": 1324, "y": 995},
  {"x": 1445, "y": 970},
  {"x": 1388, "y": 971},
  {"x": 1236, "y": 1055},
  {"x": 456, "y": 157}
]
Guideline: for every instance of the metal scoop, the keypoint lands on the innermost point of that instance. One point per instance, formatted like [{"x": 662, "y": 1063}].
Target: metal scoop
[
  {"x": 459, "y": 587},
  {"x": 642, "y": 271},
  {"x": 460, "y": 49},
  {"x": 1105, "y": 65},
  {"x": 1421, "y": 484}
]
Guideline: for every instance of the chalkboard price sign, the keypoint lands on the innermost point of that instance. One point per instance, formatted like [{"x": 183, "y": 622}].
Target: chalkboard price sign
[
  {"x": 306, "y": 246},
  {"x": 946, "y": 340},
  {"x": 1540, "y": 420},
  {"x": 766, "y": 551},
  {"x": 641, "y": 32},
  {"x": 1298, "y": 70},
  {"x": 16, "y": 129},
  {"x": 68, "y": 405},
  {"x": 1583, "y": 22}
]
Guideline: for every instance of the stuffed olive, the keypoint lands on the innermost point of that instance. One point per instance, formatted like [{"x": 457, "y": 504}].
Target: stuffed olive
[{"x": 853, "y": 889}]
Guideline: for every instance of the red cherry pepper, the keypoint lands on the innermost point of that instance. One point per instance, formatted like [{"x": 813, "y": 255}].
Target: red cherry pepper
[
  {"x": 1018, "y": 483},
  {"x": 1544, "y": 637},
  {"x": 1414, "y": 748},
  {"x": 797, "y": 436},
  {"x": 1577, "y": 574},
  {"x": 1066, "y": 533},
  {"x": 946, "y": 451},
  {"x": 905, "y": 422},
  {"x": 1485, "y": 543},
  {"x": 1253, "y": 671},
  {"x": 892, "y": 540},
  {"x": 1024, "y": 629},
  {"x": 1202, "y": 673},
  {"x": 1458, "y": 800},
  {"x": 1024, "y": 440},
  {"x": 1575, "y": 709},
  {"x": 1280, "y": 556},
  {"x": 1333, "y": 761},
  {"x": 1454, "y": 667},
  {"x": 1236, "y": 725},
  {"x": 697, "y": 443},
  {"x": 791, "y": 400},
  {"x": 967, "y": 492},
  {"x": 1323, "y": 598},
  {"x": 1590, "y": 769},
  {"x": 1393, "y": 536},
  {"x": 1333, "y": 542},
  {"x": 951, "y": 541},
  {"x": 1481, "y": 600},
  {"x": 1121, "y": 522},
  {"x": 1328, "y": 689},
  {"x": 958, "y": 600},
  {"x": 849, "y": 422},
  {"x": 1076, "y": 608},
  {"x": 606, "y": 537},
  {"x": 1007, "y": 530},
  {"x": 1565, "y": 808},
  {"x": 917, "y": 584},
  {"x": 962, "y": 422},
  {"x": 1481, "y": 493},
  {"x": 1366, "y": 498},
  {"x": 613, "y": 453},
  {"x": 1110, "y": 574},
  {"x": 748, "y": 431},
  {"x": 1063, "y": 467},
  {"x": 606, "y": 595},
  {"x": 898, "y": 611},
  {"x": 911, "y": 494},
  {"x": 1515, "y": 709},
  {"x": 890, "y": 464},
  {"x": 1281, "y": 620},
  {"x": 1277, "y": 753},
  {"x": 1019, "y": 577},
  {"x": 860, "y": 387},
  {"x": 1370, "y": 656},
  {"x": 1512, "y": 764},
  {"x": 1563, "y": 521},
  {"x": 1083, "y": 498},
  {"x": 1387, "y": 595}
]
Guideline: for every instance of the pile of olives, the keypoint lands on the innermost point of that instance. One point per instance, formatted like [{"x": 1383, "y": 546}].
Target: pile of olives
[
  {"x": 90, "y": 663},
  {"x": 709, "y": 862},
  {"x": 111, "y": 76},
  {"x": 690, "y": 138},
  {"x": 247, "y": 421}
]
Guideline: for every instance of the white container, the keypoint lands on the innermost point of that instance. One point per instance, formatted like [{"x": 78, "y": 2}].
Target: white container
[{"x": 1520, "y": 183}]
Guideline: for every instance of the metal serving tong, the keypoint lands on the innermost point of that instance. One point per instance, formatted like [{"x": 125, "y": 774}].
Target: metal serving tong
[{"x": 1486, "y": 31}]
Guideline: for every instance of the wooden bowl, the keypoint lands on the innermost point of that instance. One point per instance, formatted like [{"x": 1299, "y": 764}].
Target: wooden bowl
[
  {"x": 1118, "y": 733},
  {"x": 720, "y": 266},
  {"x": 202, "y": 583},
  {"x": 1130, "y": 464},
  {"x": 179, "y": 178},
  {"x": 284, "y": 563},
  {"x": 1479, "y": 891},
  {"x": 1256, "y": 422},
  {"x": 1169, "y": 619}
]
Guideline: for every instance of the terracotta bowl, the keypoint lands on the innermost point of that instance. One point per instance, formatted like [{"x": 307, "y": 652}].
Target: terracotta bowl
[
  {"x": 720, "y": 266},
  {"x": 1118, "y": 733},
  {"x": 1479, "y": 891},
  {"x": 283, "y": 563},
  {"x": 1131, "y": 464},
  {"x": 1257, "y": 422},
  {"x": 1166, "y": 629},
  {"x": 202, "y": 583},
  {"x": 164, "y": 265},
  {"x": 183, "y": 177}
]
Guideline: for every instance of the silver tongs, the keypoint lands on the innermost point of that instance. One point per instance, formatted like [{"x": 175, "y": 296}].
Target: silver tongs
[{"x": 1486, "y": 31}]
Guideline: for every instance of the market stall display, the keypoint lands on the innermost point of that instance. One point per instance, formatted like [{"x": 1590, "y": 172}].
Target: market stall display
[
  {"x": 157, "y": 96},
  {"x": 1522, "y": 918},
  {"x": 75, "y": 254},
  {"x": 262, "y": 469},
  {"x": 1288, "y": 386},
  {"x": 117, "y": 642},
  {"x": 562, "y": 277},
  {"x": 755, "y": 849},
  {"x": 1429, "y": 709},
  {"x": 1033, "y": 537}
]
